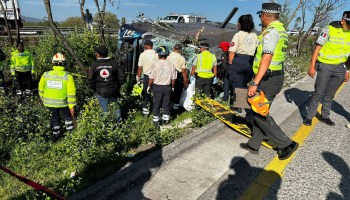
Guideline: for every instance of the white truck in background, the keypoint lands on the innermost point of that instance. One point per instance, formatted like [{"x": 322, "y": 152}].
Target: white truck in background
[
  {"x": 183, "y": 18},
  {"x": 10, "y": 14}
]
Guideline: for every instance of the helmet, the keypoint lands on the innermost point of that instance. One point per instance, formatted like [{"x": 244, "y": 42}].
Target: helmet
[
  {"x": 137, "y": 90},
  {"x": 163, "y": 51},
  {"x": 259, "y": 103},
  {"x": 58, "y": 58}
]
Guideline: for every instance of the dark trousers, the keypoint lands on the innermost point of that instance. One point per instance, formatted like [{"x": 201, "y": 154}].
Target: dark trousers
[
  {"x": 265, "y": 128},
  {"x": 226, "y": 87},
  {"x": 23, "y": 81},
  {"x": 179, "y": 85},
  {"x": 146, "y": 96},
  {"x": 56, "y": 114},
  {"x": 240, "y": 72},
  {"x": 203, "y": 85},
  {"x": 161, "y": 98},
  {"x": 329, "y": 79}
]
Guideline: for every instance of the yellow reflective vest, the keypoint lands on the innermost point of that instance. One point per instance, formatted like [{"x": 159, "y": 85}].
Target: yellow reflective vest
[
  {"x": 205, "y": 64},
  {"x": 57, "y": 88},
  {"x": 21, "y": 62},
  {"x": 337, "y": 49},
  {"x": 280, "y": 50}
]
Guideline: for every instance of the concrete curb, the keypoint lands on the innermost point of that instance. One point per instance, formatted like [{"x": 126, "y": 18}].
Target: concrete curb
[{"x": 141, "y": 169}]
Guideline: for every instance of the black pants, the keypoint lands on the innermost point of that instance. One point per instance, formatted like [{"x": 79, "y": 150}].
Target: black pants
[
  {"x": 203, "y": 85},
  {"x": 146, "y": 96},
  {"x": 161, "y": 98},
  {"x": 23, "y": 81},
  {"x": 265, "y": 128},
  {"x": 179, "y": 85},
  {"x": 56, "y": 114},
  {"x": 240, "y": 72}
]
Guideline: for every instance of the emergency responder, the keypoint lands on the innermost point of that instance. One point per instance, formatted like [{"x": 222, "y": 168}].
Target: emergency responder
[
  {"x": 146, "y": 60},
  {"x": 328, "y": 59},
  {"x": 57, "y": 91},
  {"x": 269, "y": 77},
  {"x": 223, "y": 67},
  {"x": 204, "y": 69},
  {"x": 22, "y": 67},
  {"x": 162, "y": 76},
  {"x": 2, "y": 80},
  {"x": 179, "y": 61},
  {"x": 105, "y": 78},
  {"x": 242, "y": 49}
]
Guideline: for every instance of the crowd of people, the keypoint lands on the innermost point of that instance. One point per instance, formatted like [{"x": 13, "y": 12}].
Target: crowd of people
[{"x": 248, "y": 61}]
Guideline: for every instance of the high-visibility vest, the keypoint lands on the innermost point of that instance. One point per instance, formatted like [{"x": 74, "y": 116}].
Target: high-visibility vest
[
  {"x": 280, "y": 50},
  {"x": 205, "y": 63},
  {"x": 22, "y": 62},
  {"x": 337, "y": 49},
  {"x": 57, "y": 88}
]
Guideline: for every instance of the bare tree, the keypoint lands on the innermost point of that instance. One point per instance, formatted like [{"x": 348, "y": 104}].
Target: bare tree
[
  {"x": 322, "y": 11},
  {"x": 291, "y": 17},
  {"x": 82, "y": 3},
  {"x": 101, "y": 14},
  {"x": 61, "y": 38},
  {"x": 6, "y": 23}
]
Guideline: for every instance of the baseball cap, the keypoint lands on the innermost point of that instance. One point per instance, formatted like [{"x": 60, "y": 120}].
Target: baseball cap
[
  {"x": 102, "y": 50},
  {"x": 346, "y": 17},
  {"x": 204, "y": 45},
  {"x": 148, "y": 42},
  {"x": 270, "y": 8}
]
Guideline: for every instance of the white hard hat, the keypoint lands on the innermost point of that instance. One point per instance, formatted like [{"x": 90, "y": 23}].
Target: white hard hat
[{"x": 58, "y": 58}]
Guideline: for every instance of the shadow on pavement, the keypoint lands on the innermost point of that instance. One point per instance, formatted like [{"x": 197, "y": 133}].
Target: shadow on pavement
[
  {"x": 299, "y": 97},
  {"x": 244, "y": 175},
  {"x": 342, "y": 167},
  {"x": 339, "y": 109}
]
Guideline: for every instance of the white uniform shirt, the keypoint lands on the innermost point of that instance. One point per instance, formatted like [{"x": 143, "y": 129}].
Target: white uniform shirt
[
  {"x": 146, "y": 60},
  {"x": 162, "y": 72},
  {"x": 178, "y": 60},
  {"x": 244, "y": 43}
]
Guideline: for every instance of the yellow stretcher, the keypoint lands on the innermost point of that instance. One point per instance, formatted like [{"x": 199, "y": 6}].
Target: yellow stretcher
[{"x": 227, "y": 116}]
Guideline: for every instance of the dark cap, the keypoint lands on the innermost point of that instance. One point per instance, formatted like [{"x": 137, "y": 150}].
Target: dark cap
[
  {"x": 87, "y": 10},
  {"x": 102, "y": 50},
  {"x": 270, "y": 8},
  {"x": 178, "y": 46},
  {"x": 346, "y": 17},
  {"x": 148, "y": 42},
  {"x": 204, "y": 45}
]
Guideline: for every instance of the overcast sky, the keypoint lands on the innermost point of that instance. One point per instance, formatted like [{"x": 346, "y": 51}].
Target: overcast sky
[{"x": 215, "y": 10}]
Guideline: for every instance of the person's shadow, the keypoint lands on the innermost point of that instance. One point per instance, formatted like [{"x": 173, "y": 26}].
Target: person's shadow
[
  {"x": 244, "y": 175},
  {"x": 339, "y": 109},
  {"x": 299, "y": 97},
  {"x": 342, "y": 167}
]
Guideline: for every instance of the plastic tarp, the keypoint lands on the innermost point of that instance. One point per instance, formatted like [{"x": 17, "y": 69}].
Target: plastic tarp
[{"x": 186, "y": 100}]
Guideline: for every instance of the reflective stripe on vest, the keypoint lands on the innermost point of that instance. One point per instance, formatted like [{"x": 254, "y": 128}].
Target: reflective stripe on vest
[
  {"x": 337, "y": 49},
  {"x": 205, "y": 65},
  {"x": 280, "y": 50}
]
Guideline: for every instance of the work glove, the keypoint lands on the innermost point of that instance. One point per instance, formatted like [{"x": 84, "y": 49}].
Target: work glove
[
  {"x": 173, "y": 89},
  {"x": 192, "y": 79},
  {"x": 215, "y": 80},
  {"x": 149, "y": 90},
  {"x": 138, "y": 79}
]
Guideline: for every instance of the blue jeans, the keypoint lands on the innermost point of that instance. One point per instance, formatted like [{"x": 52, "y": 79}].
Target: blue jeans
[{"x": 104, "y": 102}]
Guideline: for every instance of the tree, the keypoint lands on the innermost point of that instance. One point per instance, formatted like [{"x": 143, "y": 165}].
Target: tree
[
  {"x": 16, "y": 23},
  {"x": 123, "y": 21},
  {"x": 73, "y": 22},
  {"x": 82, "y": 3},
  {"x": 111, "y": 20},
  {"x": 61, "y": 38}
]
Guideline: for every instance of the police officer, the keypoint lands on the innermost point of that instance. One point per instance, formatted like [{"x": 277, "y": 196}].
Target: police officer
[
  {"x": 330, "y": 54},
  {"x": 179, "y": 61},
  {"x": 242, "y": 49},
  {"x": 268, "y": 70},
  {"x": 2, "y": 80},
  {"x": 162, "y": 77},
  {"x": 22, "y": 66},
  {"x": 146, "y": 60},
  {"x": 204, "y": 65},
  {"x": 57, "y": 91},
  {"x": 105, "y": 78}
]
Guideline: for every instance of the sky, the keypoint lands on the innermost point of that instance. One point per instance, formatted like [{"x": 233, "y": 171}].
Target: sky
[{"x": 214, "y": 10}]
